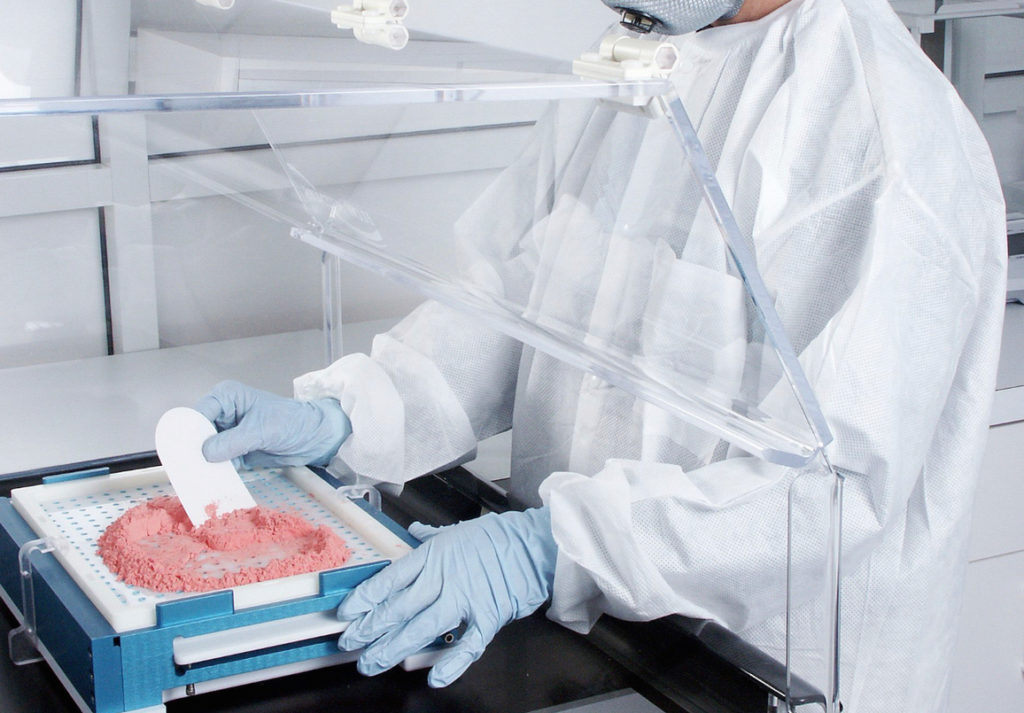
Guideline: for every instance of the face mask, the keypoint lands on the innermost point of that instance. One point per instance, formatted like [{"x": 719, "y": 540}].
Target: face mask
[{"x": 673, "y": 17}]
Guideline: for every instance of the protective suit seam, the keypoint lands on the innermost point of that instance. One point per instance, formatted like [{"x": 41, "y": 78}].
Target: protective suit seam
[{"x": 821, "y": 206}]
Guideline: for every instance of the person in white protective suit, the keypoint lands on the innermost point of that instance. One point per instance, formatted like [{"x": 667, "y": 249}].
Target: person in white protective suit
[{"x": 878, "y": 225}]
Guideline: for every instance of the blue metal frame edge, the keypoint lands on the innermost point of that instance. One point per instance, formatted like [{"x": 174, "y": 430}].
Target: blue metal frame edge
[
  {"x": 377, "y": 515},
  {"x": 148, "y": 663},
  {"x": 344, "y": 579},
  {"x": 197, "y": 608},
  {"x": 387, "y": 522}
]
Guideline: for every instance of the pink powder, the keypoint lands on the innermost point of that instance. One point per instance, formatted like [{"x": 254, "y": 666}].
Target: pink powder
[{"x": 155, "y": 546}]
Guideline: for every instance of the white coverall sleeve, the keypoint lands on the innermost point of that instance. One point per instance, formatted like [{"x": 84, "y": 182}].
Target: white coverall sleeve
[
  {"x": 909, "y": 351},
  {"x": 430, "y": 389},
  {"x": 441, "y": 381}
]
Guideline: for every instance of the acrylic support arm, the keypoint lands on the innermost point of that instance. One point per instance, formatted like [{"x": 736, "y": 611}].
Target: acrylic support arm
[
  {"x": 375, "y": 22},
  {"x": 626, "y": 58},
  {"x": 23, "y": 641}
]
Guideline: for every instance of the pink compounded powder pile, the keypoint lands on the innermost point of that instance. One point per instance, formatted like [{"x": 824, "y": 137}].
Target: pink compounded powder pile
[{"x": 155, "y": 546}]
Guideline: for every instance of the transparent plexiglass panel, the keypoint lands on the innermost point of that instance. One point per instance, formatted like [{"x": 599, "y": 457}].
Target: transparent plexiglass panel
[
  {"x": 247, "y": 157},
  {"x": 606, "y": 243},
  {"x": 586, "y": 232},
  {"x": 174, "y": 276},
  {"x": 597, "y": 242}
]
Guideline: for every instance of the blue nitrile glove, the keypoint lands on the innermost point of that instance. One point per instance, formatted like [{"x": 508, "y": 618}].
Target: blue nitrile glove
[
  {"x": 483, "y": 572},
  {"x": 263, "y": 428}
]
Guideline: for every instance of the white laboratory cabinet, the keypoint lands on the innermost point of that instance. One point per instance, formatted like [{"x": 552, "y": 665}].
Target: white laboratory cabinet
[
  {"x": 988, "y": 674},
  {"x": 980, "y": 47}
]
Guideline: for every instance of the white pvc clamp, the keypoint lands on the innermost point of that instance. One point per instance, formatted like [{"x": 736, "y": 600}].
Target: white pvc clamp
[
  {"x": 375, "y": 22},
  {"x": 628, "y": 58}
]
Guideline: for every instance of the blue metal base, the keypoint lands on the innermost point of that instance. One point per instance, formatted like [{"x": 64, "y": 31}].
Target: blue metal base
[{"x": 117, "y": 672}]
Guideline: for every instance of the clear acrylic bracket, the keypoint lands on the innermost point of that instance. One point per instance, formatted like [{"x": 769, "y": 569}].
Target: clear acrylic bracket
[
  {"x": 361, "y": 491},
  {"x": 813, "y": 582},
  {"x": 331, "y": 281},
  {"x": 828, "y": 488},
  {"x": 757, "y": 290},
  {"x": 23, "y": 642}
]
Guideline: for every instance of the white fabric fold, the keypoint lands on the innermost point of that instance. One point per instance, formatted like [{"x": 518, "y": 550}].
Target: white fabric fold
[{"x": 396, "y": 398}]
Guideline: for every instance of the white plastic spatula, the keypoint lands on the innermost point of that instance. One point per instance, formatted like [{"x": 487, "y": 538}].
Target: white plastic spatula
[{"x": 204, "y": 488}]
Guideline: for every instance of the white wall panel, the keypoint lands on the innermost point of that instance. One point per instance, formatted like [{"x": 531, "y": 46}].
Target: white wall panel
[
  {"x": 224, "y": 271},
  {"x": 983, "y": 47},
  {"x": 999, "y": 496},
  {"x": 1005, "y": 134},
  {"x": 1005, "y": 49},
  {"x": 51, "y": 292},
  {"x": 194, "y": 62},
  {"x": 1004, "y": 96},
  {"x": 336, "y": 162},
  {"x": 38, "y": 41},
  {"x": 37, "y": 59},
  {"x": 25, "y": 141},
  {"x": 560, "y": 29},
  {"x": 988, "y": 666},
  {"x": 49, "y": 190}
]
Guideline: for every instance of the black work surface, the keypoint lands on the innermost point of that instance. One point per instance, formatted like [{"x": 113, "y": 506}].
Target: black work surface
[{"x": 533, "y": 663}]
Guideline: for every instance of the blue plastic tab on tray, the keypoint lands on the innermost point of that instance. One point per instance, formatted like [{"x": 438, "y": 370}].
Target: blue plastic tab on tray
[
  {"x": 202, "y": 606},
  {"x": 76, "y": 475},
  {"x": 337, "y": 581}
]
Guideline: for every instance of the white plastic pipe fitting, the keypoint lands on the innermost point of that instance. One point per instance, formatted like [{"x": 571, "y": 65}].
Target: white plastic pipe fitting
[
  {"x": 662, "y": 56},
  {"x": 219, "y": 4}
]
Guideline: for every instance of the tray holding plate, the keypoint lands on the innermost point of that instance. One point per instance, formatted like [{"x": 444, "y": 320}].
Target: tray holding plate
[{"x": 73, "y": 514}]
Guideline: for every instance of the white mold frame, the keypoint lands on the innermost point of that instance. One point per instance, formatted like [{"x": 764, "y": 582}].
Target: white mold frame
[{"x": 46, "y": 509}]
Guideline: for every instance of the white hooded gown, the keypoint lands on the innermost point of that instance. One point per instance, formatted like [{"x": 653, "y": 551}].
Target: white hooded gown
[{"x": 878, "y": 225}]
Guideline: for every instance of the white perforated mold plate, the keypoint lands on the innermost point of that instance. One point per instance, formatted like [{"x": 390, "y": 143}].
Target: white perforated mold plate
[{"x": 74, "y": 514}]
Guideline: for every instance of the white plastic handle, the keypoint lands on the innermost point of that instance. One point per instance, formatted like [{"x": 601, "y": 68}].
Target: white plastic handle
[
  {"x": 395, "y": 9},
  {"x": 662, "y": 55},
  {"x": 393, "y": 37},
  {"x": 190, "y": 650}
]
